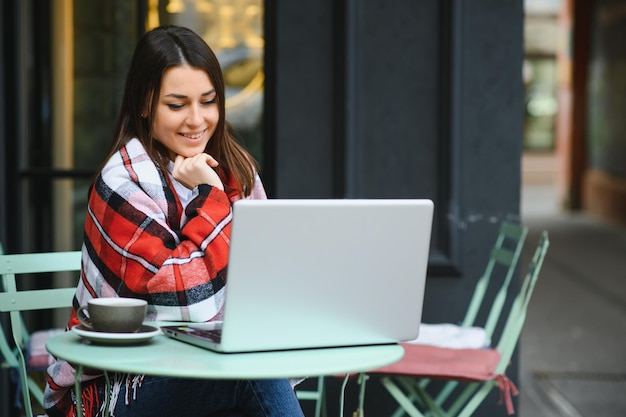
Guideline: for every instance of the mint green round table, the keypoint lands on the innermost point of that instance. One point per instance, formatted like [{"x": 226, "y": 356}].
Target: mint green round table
[{"x": 167, "y": 357}]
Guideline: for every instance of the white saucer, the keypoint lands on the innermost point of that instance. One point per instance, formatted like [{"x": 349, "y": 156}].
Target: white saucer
[{"x": 144, "y": 334}]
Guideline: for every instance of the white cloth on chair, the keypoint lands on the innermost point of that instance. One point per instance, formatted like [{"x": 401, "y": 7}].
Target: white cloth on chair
[{"x": 452, "y": 336}]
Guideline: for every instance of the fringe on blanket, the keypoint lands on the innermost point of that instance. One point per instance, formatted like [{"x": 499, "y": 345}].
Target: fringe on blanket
[
  {"x": 131, "y": 383},
  {"x": 91, "y": 399}
]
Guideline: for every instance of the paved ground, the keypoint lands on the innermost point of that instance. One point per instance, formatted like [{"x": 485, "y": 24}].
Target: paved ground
[{"x": 573, "y": 347}]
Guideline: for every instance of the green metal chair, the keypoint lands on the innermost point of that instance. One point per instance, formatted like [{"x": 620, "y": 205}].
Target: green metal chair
[
  {"x": 504, "y": 256},
  {"x": 14, "y": 301},
  {"x": 316, "y": 395},
  {"x": 501, "y": 266},
  {"x": 411, "y": 393}
]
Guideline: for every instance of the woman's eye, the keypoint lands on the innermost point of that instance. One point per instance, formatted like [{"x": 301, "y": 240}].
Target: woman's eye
[
  {"x": 210, "y": 101},
  {"x": 175, "y": 106}
]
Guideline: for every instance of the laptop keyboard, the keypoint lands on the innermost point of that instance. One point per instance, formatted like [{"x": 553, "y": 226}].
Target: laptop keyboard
[{"x": 215, "y": 334}]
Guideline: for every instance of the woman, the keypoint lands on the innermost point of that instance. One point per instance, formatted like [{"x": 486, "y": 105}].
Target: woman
[{"x": 157, "y": 227}]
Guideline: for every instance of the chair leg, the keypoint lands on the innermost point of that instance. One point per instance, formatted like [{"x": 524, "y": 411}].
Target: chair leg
[
  {"x": 401, "y": 398},
  {"x": 317, "y": 396},
  {"x": 35, "y": 391},
  {"x": 320, "y": 406},
  {"x": 446, "y": 391},
  {"x": 28, "y": 408},
  {"x": 413, "y": 387},
  {"x": 410, "y": 388},
  {"x": 434, "y": 408},
  {"x": 476, "y": 400}
]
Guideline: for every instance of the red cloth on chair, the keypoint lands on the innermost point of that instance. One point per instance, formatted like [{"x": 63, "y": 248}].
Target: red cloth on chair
[
  {"x": 426, "y": 361},
  {"x": 437, "y": 362}
]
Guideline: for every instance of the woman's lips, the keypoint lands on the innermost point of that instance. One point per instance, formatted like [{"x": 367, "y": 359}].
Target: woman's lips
[{"x": 193, "y": 135}]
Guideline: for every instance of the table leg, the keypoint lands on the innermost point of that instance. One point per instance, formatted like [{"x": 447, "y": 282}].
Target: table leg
[
  {"x": 361, "y": 380},
  {"x": 77, "y": 390},
  {"x": 79, "y": 394},
  {"x": 107, "y": 393}
]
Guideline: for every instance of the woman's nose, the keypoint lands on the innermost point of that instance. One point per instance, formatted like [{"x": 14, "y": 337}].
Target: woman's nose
[{"x": 194, "y": 118}]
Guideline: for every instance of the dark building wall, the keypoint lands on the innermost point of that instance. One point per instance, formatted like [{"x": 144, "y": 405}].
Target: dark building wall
[{"x": 379, "y": 99}]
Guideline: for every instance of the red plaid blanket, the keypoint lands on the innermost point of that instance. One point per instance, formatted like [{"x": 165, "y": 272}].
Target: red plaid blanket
[{"x": 139, "y": 242}]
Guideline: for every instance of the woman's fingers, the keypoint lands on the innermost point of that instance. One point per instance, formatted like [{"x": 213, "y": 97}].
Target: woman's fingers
[{"x": 196, "y": 170}]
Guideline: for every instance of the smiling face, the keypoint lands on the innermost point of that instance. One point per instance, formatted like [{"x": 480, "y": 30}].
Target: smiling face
[{"x": 187, "y": 114}]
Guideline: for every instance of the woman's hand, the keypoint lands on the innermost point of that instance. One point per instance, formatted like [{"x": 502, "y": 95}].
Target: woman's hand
[{"x": 197, "y": 170}]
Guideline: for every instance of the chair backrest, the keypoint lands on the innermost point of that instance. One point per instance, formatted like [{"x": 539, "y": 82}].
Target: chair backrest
[
  {"x": 517, "y": 314},
  {"x": 509, "y": 336},
  {"x": 14, "y": 301},
  {"x": 505, "y": 254}
]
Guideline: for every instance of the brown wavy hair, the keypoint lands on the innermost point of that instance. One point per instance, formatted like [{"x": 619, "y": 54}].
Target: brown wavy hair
[{"x": 158, "y": 50}]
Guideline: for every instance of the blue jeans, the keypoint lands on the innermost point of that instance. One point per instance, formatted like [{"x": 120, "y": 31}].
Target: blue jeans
[{"x": 160, "y": 396}]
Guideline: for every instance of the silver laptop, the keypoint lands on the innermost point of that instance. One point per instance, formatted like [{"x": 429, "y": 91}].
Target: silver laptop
[{"x": 320, "y": 273}]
